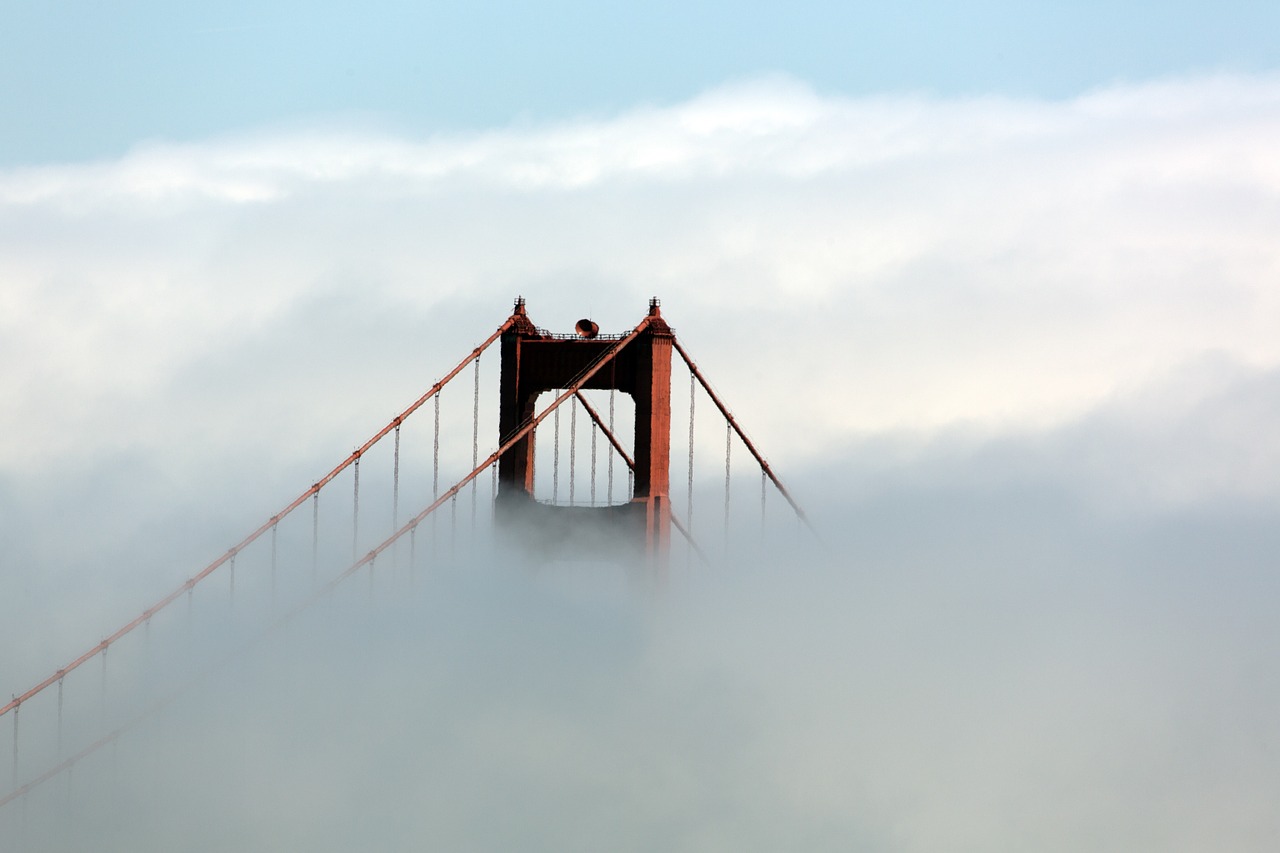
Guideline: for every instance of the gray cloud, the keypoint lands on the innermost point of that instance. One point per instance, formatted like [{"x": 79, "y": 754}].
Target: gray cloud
[{"x": 1018, "y": 358}]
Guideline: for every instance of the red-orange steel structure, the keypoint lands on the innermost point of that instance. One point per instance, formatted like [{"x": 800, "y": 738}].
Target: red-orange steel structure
[{"x": 535, "y": 361}]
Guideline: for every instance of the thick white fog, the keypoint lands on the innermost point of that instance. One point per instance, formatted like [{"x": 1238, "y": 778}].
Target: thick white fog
[{"x": 1017, "y": 359}]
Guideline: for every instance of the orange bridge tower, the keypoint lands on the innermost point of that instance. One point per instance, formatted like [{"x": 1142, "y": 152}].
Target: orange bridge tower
[{"x": 637, "y": 363}]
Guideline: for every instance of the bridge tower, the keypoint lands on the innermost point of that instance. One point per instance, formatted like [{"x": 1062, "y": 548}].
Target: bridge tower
[{"x": 535, "y": 361}]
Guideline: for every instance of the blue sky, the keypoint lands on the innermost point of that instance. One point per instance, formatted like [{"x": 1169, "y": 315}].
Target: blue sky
[{"x": 84, "y": 80}]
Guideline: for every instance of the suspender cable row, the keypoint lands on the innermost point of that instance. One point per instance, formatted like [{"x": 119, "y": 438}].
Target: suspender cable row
[
  {"x": 733, "y": 425},
  {"x": 410, "y": 528},
  {"x": 597, "y": 427},
  {"x": 262, "y": 529},
  {"x": 621, "y": 451}
]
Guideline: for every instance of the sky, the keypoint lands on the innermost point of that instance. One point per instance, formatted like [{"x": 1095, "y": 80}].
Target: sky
[
  {"x": 992, "y": 285},
  {"x": 83, "y": 80}
]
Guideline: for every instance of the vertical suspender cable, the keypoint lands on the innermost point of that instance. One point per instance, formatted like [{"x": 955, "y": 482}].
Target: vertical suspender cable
[
  {"x": 593, "y": 463},
  {"x": 555, "y": 456},
  {"x": 395, "y": 500},
  {"x": 233, "y": 578},
  {"x": 688, "y": 517},
  {"x": 274, "y": 531},
  {"x": 573, "y": 446},
  {"x": 315, "y": 534},
  {"x": 475, "y": 438},
  {"x": 435, "y": 452},
  {"x": 355, "y": 512},
  {"x": 102, "y": 709},
  {"x": 59, "y": 719},
  {"x": 395, "y": 484},
  {"x": 413, "y": 552},
  {"x": 728, "y": 456},
  {"x": 16, "y": 709},
  {"x": 435, "y": 466},
  {"x": 764, "y": 483},
  {"x": 764, "y": 465},
  {"x": 262, "y": 529},
  {"x": 612, "y": 394}
]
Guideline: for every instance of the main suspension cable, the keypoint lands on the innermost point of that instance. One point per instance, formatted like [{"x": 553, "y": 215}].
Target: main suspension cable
[
  {"x": 409, "y": 528},
  {"x": 262, "y": 529},
  {"x": 751, "y": 448},
  {"x": 631, "y": 464}
]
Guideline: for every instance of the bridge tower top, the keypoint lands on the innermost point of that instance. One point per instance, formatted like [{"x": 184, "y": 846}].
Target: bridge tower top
[{"x": 637, "y": 363}]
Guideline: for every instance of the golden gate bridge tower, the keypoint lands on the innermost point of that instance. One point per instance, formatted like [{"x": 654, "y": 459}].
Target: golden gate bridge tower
[
  {"x": 71, "y": 714},
  {"x": 638, "y": 364}
]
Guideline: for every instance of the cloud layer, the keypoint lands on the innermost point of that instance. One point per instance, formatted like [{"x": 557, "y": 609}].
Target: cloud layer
[
  {"x": 1018, "y": 357},
  {"x": 985, "y": 261}
]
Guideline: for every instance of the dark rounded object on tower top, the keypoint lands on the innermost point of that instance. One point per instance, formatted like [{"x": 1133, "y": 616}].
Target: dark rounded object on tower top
[{"x": 586, "y": 329}]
